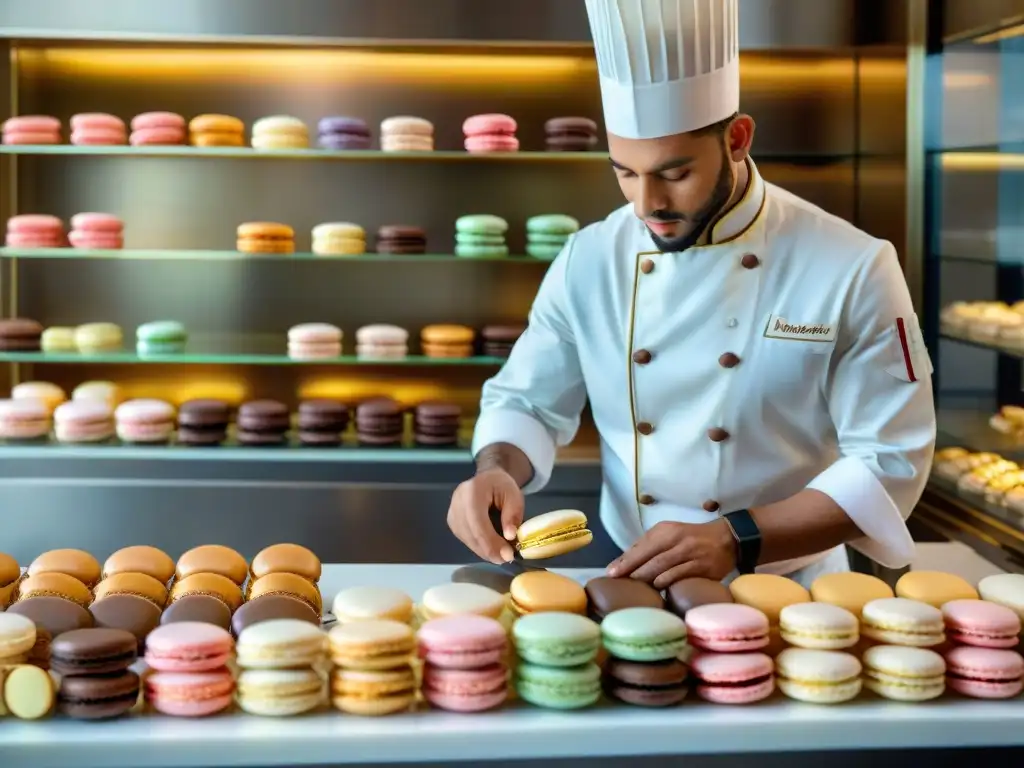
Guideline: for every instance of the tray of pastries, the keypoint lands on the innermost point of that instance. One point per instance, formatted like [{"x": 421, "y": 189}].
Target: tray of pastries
[{"x": 993, "y": 322}]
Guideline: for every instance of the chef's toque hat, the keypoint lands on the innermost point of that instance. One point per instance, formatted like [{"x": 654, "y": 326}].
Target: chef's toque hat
[{"x": 666, "y": 66}]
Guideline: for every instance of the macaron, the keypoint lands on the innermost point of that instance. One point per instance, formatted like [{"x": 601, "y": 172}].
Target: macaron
[
  {"x": 105, "y": 391},
  {"x": 55, "y": 615},
  {"x": 372, "y": 645},
  {"x": 498, "y": 340},
  {"x": 161, "y": 337},
  {"x": 280, "y": 132},
  {"x": 727, "y": 628},
  {"x": 279, "y": 692},
  {"x": 17, "y": 636},
  {"x": 157, "y": 128},
  {"x": 401, "y": 239},
  {"x": 23, "y": 420},
  {"x": 263, "y": 422},
  {"x": 819, "y": 626},
  {"x": 447, "y": 340},
  {"x": 570, "y": 134},
  {"x": 985, "y": 673},
  {"x": 643, "y": 634},
  {"x": 96, "y": 231},
  {"x": 93, "y": 651},
  {"x": 934, "y": 587},
  {"x": 900, "y": 621},
  {"x": 145, "y": 420},
  {"x": 768, "y": 593},
  {"x": 31, "y": 129},
  {"x": 1006, "y": 589},
  {"x": 210, "y": 584},
  {"x": 286, "y": 558},
  {"x": 733, "y": 678},
  {"x": 687, "y": 594},
  {"x": 213, "y": 558},
  {"x": 379, "y": 422},
  {"x": 980, "y": 623},
  {"x": 436, "y": 423},
  {"x": 553, "y": 533},
  {"x": 216, "y": 131},
  {"x": 137, "y": 584},
  {"x": 321, "y": 421},
  {"x": 58, "y": 338},
  {"x": 291, "y": 584},
  {"x": 45, "y": 392},
  {"x": 849, "y": 590},
  {"x": 339, "y": 238},
  {"x": 369, "y": 603},
  {"x": 556, "y": 639},
  {"x": 281, "y": 644},
  {"x": 265, "y": 237},
  {"x": 94, "y": 338},
  {"x": 818, "y": 676},
  {"x": 373, "y": 692},
  {"x": 190, "y": 694},
  {"x": 131, "y": 613},
  {"x": 547, "y": 234},
  {"x": 97, "y": 129},
  {"x": 74, "y": 562},
  {"x": 98, "y": 697},
  {"x": 55, "y": 585},
  {"x": 651, "y": 684},
  {"x": 606, "y": 595},
  {"x": 540, "y": 591},
  {"x": 490, "y": 133},
  {"x": 480, "y": 235},
  {"x": 380, "y": 341},
  {"x": 28, "y": 692},
  {"x": 903, "y": 673},
  {"x": 343, "y": 133},
  {"x": 558, "y": 687},
  {"x": 202, "y": 608},
  {"x": 188, "y": 647},
  {"x": 405, "y": 133},
  {"x": 83, "y": 421},
  {"x": 465, "y": 690},
  {"x": 20, "y": 334},
  {"x": 269, "y": 608},
  {"x": 495, "y": 577},
  {"x": 455, "y": 599},
  {"x": 314, "y": 341},
  {"x": 462, "y": 642},
  {"x": 140, "y": 558},
  {"x": 203, "y": 421},
  {"x": 35, "y": 230}
]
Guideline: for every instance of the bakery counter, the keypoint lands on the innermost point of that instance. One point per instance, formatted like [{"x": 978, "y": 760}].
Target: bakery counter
[{"x": 774, "y": 732}]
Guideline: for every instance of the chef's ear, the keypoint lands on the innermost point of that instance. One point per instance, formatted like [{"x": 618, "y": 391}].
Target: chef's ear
[{"x": 739, "y": 136}]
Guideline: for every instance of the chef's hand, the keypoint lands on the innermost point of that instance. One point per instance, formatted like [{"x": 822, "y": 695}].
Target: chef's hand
[
  {"x": 673, "y": 551},
  {"x": 469, "y": 514}
]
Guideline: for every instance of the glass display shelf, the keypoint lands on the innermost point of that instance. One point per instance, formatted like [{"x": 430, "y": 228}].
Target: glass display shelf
[
  {"x": 967, "y": 428},
  {"x": 131, "y": 254},
  {"x": 981, "y": 344},
  {"x": 974, "y": 509},
  {"x": 251, "y": 349}
]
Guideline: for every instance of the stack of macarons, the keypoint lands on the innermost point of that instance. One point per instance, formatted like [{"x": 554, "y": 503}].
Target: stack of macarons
[
  {"x": 447, "y": 340},
  {"x": 464, "y": 663},
  {"x": 98, "y": 337},
  {"x": 263, "y": 422},
  {"x": 17, "y": 638},
  {"x": 373, "y": 671},
  {"x": 98, "y": 129},
  {"x": 191, "y": 677},
  {"x": 382, "y": 341},
  {"x": 368, "y": 603},
  {"x": 95, "y": 680},
  {"x": 436, "y": 423},
  {"x": 645, "y": 646},
  {"x": 289, "y": 570},
  {"x": 23, "y": 420},
  {"x": 20, "y": 334},
  {"x": 570, "y": 134},
  {"x": 314, "y": 341},
  {"x": 547, "y": 234},
  {"x": 145, "y": 421},
  {"x": 556, "y": 654},
  {"x": 498, "y": 340},
  {"x": 31, "y": 129},
  {"x": 160, "y": 337},
  {"x": 401, "y": 239},
  {"x": 818, "y": 669},
  {"x": 339, "y": 239},
  {"x": 216, "y": 131},
  {"x": 490, "y": 133},
  {"x": 96, "y": 231},
  {"x": 280, "y": 132},
  {"x": 380, "y": 422},
  {"x": 133, "y": 591},
  {"x": 730, "y": 666},
  {"x": 406, "y": 134},
  {"x": 203, "y": 422},
  {"x": 265, "y": 237},
  {"x": 35, "y": 230},
  {"x": 157, "y": 128},
  {"x": 209, "y": 570},
  {"x": 83, "y": 421},
  {"x": 480, "y": 235},
  {"x": 280, "y": 662},
  {"x": 343, "y": 133},
  {"x": 321, "y": 422},
  {"x": 982, "y": 662}
]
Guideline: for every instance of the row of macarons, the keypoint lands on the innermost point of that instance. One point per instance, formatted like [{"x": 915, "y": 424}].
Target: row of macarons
[
  {"x": 493, "y": 132},
  {"x": 96, "y": 413}
]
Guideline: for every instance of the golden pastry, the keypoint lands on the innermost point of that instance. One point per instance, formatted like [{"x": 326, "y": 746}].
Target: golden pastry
[
  {"x": 947, "y": 454},
  {"x": 977, "y": 479},
  {"x": 997, "y": 487}
]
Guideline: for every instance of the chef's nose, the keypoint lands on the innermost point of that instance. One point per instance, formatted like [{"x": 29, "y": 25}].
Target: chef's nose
[{"x": 651, "y": 198}]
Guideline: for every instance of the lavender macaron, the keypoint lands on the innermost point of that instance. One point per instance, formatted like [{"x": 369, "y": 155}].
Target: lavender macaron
[{"x": 342, "y": 132}]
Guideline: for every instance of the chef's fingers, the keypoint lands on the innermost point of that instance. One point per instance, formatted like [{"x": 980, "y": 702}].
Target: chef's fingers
[
  {"x": 487, "y": 491},
  {"x": 661, "y": 562},
  {"x": 683, "y": 571},
  {"x": 469, "y": 521},
  {"x": 649, "y": 545},
  {"x": 513, "y": 507}
]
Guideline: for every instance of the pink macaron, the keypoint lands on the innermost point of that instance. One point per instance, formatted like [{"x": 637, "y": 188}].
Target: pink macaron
[
  {"x": 83, "y": 421},
  {"x": 984, "y": 673},
  {"x": 23, "y": 420},
  {"x": 733, "y": 678},
  {"x": 490, "y": 133},
  {"x": 727, "y": 627},
  {"x": 462, "y": 642},
  {"x": 35, "y": 230},
  {"x": 155, "y": 128},
  {"x": 976, "y": 622},
  {"x": 97, "y": 129},
  {"x": 145, "y": 420},
  {"x": 314, "y": 341},
  {"x": 31, "y": 129},
  {"x": 190, "y": 694},
  {"x": 101, "y": 231},
  {"x": 465, "y": 690},
  {"x": 188, "y": 646}
]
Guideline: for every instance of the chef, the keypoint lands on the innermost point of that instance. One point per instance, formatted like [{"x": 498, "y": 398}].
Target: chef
[{"x": 754, "y": 365}]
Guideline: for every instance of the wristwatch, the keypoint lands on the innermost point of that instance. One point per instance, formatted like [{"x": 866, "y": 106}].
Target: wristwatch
[{"x": 748, "y": 539}]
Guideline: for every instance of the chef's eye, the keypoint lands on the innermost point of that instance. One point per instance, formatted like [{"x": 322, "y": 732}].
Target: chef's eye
[{"x": 675, "y": 175}]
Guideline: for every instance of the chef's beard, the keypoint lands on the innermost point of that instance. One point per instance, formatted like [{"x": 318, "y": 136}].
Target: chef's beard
[{"x": 702, "y": 219}]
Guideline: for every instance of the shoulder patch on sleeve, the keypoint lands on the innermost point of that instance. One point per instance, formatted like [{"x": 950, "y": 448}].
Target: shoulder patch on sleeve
[{"x": 908, "y": 359}]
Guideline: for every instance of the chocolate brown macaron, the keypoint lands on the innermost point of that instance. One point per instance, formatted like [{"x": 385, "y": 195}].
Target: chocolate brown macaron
[
  {"x": 379, "y": 422},
  {"x": 195, "y": 607},
  {"x": 321, "y": 422},
  {"x": 651, "y": 684},
  {"x": 606, "y": 595},
  {"x": 203, "y": 421},
  {"x": 498, "y": 340},
  {"x": 436, "y": 423},
  {"x": 692, "y": 593},
  {"x": 98, "y": 697},
  {"x": 401, "y": 239},
  {"x": 93, "y": 651},
  {"x": 570, "y": 134},
  {"x": 56, "y": 615},
  {"x": 263, "y": 422},
  {"x": 131, "y": 613},
  {"x": 272, "y": 606},
  {"x": 20, "y": 334}
]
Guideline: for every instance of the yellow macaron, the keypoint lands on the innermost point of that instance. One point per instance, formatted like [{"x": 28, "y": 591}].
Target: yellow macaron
[
  {"x": 280, "y": 132},
  {"x": 934, "y": 587},
  {"x": 553, "y": 533}
]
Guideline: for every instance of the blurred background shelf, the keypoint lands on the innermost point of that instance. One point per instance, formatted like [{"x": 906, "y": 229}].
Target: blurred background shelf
[{"x": 132, "y": 254}]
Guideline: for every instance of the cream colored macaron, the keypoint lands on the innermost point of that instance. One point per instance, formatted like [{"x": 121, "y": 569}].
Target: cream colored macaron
[
  {"x": 458, "y": 599},
  {"x": 99, "y": 337},
  {"x": 48, "y": 394},
  {"x": 339, "y": 239},
  {"x": 280, "y": 132},
  {"x": 105, "y": 391},
  {"x": 58, "y": 339},
  {"x": 904, "y": 674},
  {"x": 369, "y": 603}
]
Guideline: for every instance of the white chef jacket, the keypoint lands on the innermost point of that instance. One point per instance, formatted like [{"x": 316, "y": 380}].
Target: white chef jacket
[{"x": 783, "y": 355}]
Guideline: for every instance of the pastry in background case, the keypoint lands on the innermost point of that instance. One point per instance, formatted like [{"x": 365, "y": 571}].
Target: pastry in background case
[
  {"x": 1009, "y": 420},
  {"x": 953, "y": 468},
  {"x": 998, "y": 487},
  {"x": 977, "y": 479}
]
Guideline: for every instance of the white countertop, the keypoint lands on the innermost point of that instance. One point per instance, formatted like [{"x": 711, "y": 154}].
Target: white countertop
[{"x": 516, "y": 732}]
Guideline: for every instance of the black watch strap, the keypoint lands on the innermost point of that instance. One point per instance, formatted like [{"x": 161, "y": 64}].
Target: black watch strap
[{"x": 748, "y": 539}]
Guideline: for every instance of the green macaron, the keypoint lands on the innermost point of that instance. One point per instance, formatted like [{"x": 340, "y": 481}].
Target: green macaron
[
  {"x": 556, "y": 639},
  {"x": 481, "y": 224},
  {"x": 552, "y": 224},
  {"x": 544, "y": 251},
  {"x": 161, "y": 337},
  {"x": 643, "y": 634},
  {"x": 480, "y": 251},
  {"x": 559, "y": 687}
]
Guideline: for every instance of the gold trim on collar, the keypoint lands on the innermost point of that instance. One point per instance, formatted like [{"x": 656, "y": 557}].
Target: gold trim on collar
[
  {"x": 754, "y": 181},
  {"x": 629, "y": 375}
]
